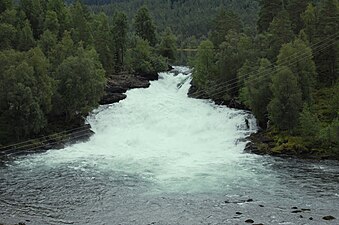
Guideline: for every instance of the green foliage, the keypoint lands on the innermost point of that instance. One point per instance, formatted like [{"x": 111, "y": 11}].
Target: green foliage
[
  {"x": 304, "y": 69},
  {"x": 309, "y": 124},
  {"x": 280, "y": 32},
  {"x": 167, "y": 47},
  {"x": 231, "y": 56},
  {"x": 26, "y": 39},
  {"x": 295, "y": 8},
  {"x": 119, "y": 30},
  {"x": 143, "y": 60},
  {"x": 286, "y": 103},
  {"x": 269, "y": 9},
  {"x": 81, "y": 30},
  {"x": 51, "y": 22},
  {"x": 204, "y": 65},
  {"x": 5, "y": 4},
  {"x": 81, "y": 82},
  {"x": 25, "y": 93},
  {"x": 257, "y": 93},
  {"x": 7, "y": 36},
  {"x": 144, "y": 26},
  {"x": 326, "y": 28},
  {"x": 224, "y": 22},
  {"x": 47, "y": 42},
  {"x": 103, "y": 42}
]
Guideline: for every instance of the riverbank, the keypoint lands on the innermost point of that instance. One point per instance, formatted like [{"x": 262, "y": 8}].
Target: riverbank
[
  {"x": 272, "y": 142},
  {"x": 60, "y": 132}
]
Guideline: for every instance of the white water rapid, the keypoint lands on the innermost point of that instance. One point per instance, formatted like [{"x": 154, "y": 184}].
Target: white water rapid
[{"x": 159, "y": 157}]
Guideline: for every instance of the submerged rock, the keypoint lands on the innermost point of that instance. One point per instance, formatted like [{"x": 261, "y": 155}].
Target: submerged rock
[
  {"x": 117, "y": 85},
  {"x": 328, "y": 218}
]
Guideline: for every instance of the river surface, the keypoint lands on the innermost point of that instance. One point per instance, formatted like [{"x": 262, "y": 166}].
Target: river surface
[{"x": 161, "y": 158}]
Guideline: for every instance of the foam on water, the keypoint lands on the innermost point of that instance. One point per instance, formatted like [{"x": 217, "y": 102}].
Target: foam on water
[{"x": 161, "y": 134}]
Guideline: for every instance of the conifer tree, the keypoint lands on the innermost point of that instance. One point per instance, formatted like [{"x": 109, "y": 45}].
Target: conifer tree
[
  {"x": 144, "y": 26},
  {"x": 268, "y": 10},
  {"x": 286, "y": 103},
  {"x": 281, "y": 32}
]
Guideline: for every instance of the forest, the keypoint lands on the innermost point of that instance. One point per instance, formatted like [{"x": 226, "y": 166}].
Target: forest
[
  {"x": 55, "y": 58},
  {"x": 287, "y": 74},
  {"x": 278, "y": 59}
]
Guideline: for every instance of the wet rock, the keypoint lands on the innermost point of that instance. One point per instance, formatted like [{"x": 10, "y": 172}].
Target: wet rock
[
  {"x": 238, "y": 213},
  {"x": 119, "y": 84},
  {"x": 297, "y": 211},
  {"x": 149, "y": 76},
  {"x": 301, "y": 216},
  {"x": 258, "y": 224},
  {"x": 294, "y": 207},
  {"x": 249, "y": 200},
  {"x": 328, "y": 218},
  {"x": 311, "y": 218},
  {"x": 111, "y": 98},
  {"x": 306, "y": 210},
  {"x": 262, "y": 206},
  {"x": 249, "y": 221}
]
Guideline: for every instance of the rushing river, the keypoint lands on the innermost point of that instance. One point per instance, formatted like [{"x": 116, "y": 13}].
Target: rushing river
[{"x": 161, "y": 158}]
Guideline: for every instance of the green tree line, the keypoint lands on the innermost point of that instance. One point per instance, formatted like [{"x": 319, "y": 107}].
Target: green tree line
[
  {"x": 287, "y": 73},
  {"x": 55, "y": 60}
]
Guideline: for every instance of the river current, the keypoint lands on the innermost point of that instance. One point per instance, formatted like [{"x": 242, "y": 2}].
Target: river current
[{"x": 161, "y": 158}]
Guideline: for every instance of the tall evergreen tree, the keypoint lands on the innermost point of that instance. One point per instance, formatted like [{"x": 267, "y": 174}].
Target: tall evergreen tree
[
  {"x": 26, "y": 39},
  {"x": 295, "y": 9},
  {"x": 268, "y": 10},
  {"x": 5, "y": 4},
  {"x": 286, "y": 103},
  {"x": 103, "y": 42},
  {"x": 167, "y": 47},
  {"x": 119, "y": 30},
  {"x": 258, "y": 93},
  {"x": 326, "y": 59},
  {"x": 223, "y": 23},
  {"x": 51, "y": 22},
  {"x": 144, "y": 26},
  {"x": 281, "y": 32}
]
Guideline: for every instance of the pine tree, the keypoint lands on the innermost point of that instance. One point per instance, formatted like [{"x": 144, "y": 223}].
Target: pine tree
[
  {"x": 281, "y": 33},
  {"x": 51, "y": 22},
  {"x": 80, "y": 23},
  {"x": 103, "y": 42},
  {"x": 167, "y": 47},
  {"x": 144, "y": 26},
  {"x": 268, "y": 10},
  {"x": 5, "y": 4},
  {"x": 26, "y": 39},
  {"x": 295, "y": 9},
  {"x": 258, "y": 93},
  {"x": 286, "y": 103},
  {"x": 326, "y": 60},
  {"x": 223, "y": 23},
  {"x": 119, "y": 30}
]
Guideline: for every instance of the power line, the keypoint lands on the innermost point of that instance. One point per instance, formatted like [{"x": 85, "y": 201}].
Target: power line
[{"x": 294, "y": 56}]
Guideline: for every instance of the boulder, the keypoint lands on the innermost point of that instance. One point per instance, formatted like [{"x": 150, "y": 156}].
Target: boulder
[{"x": 111, "y": 98}]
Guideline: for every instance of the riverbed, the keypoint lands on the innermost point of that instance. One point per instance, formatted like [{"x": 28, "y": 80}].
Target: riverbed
[{"x": 159, "y": 157}]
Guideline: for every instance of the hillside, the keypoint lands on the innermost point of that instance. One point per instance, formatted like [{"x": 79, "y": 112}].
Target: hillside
[{"x": 186, "y": 17}]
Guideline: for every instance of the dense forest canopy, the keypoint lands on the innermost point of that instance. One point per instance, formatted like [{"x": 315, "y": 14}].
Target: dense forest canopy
[
  {"x": 185, "y": 17},
  {"x": 55, "y": 59},
  {"x": 287, "y": 74}
]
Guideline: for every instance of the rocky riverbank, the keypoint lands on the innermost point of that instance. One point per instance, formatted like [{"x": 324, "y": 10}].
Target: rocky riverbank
[
  {"x": 270, "y": 142},
  {"x": 60, "y": 133}
]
